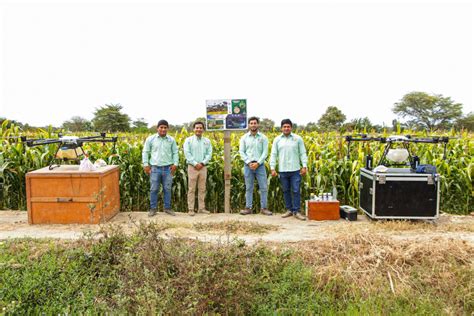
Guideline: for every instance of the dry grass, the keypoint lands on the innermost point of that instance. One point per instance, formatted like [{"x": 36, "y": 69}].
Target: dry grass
[
  {"x": 443, "y": 225},
  {"x": 440, "y": 226},
  {"x": 377, "y": 265},
  {"x": 227, "y": 227},
  {"x": 236, "y": 227},
  {"x": 160, "y": 224}
]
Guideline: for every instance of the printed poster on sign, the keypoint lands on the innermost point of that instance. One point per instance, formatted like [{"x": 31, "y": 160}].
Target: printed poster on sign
[{"x": 226, "y": 114}]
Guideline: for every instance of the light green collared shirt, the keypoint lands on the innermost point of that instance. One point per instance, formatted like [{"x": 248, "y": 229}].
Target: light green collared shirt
[
  {"x": 160, "y": 151},
  {"x": 290, "y": 153},
  {"x": 253, "y": 148},
  {"x": 197, "y": 150}
]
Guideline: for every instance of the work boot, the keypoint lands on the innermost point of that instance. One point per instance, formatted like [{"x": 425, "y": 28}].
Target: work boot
[
  {"x": 246, "y": 211},
  {"x": 299, "y": 216},
  {"x": 152, "y": 212},
  {"x": 287, "y": 214},
  {"x": 169, "y": 212},
  {"x": 265, "y": 211},
  {"x": 191, "y": 213},
  {"x": 204, "y": 211}
]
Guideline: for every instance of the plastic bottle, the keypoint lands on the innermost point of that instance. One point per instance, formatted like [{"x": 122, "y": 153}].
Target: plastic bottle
[
  {"x": 416, "y": 162},
  {"x": 368, "y": 162},
  {"x": 334, "y": 193}
]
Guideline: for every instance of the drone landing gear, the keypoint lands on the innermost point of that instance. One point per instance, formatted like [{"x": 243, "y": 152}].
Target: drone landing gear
[{"x": 57, "y": 162}]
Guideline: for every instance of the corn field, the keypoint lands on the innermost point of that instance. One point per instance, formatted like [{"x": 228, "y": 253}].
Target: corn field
[{"x": 328, "y": 167}]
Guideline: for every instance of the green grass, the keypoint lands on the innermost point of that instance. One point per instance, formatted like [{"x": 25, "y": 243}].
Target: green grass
[{"x": 146, "y": 274}]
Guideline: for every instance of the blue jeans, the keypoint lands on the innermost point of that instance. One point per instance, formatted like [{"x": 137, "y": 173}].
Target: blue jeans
[
  {"x": 290, "y": 182},
  {"x": 250, "y": 175},
  {"x": 160, "y": 175}
]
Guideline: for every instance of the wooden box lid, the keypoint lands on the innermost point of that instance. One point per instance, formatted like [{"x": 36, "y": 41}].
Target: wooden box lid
[{"x": 71, "y": 170}]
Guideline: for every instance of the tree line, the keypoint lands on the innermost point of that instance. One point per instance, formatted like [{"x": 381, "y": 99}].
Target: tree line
[{"x": 415, "y": 111}]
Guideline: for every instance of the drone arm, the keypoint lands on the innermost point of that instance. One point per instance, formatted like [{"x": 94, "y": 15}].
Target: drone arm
[
  {"x": 38, "y": 142},
  {"x": 97, "y": 140},
  {"x": 424, "y": 141},
  {"x": 366, "y": 139}
]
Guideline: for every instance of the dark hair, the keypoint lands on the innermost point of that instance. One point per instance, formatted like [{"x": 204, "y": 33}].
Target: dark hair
[
  {"x": 286, "y": 121},
  {"x": 254, "y": 118},
  {"x": 162, "y": 122},
  {"x": 197, "y": 123}
]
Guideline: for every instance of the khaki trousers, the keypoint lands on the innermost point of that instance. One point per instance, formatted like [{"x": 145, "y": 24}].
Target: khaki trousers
[{"x": 196, "y": 178}]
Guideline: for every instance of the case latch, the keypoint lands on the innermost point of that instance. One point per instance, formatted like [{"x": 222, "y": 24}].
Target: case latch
[
  {"x": 382, "y": 179},
  {"x": 430, "y": 179}
]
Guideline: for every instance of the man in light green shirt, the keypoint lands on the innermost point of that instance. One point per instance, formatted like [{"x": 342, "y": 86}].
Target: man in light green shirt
[
  {"x": 198, "y": 153},
  {"x": 160, "y": 160},
  {"x": 253, "y": 150},
  {"x": 289, "y": 152}
]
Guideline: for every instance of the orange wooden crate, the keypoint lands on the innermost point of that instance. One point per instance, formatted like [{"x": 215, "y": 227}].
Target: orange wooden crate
[
  {"x": 323, "y": 210},
  {"x": 66, "y": 195}
]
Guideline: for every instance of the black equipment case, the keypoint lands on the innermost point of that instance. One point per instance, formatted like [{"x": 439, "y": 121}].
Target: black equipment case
[
  {"x": 348, "y": 212},
  {"x": 399, "y": 193}
]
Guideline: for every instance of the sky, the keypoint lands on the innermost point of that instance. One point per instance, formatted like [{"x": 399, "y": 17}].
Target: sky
[{"x": 164, "y": 59}]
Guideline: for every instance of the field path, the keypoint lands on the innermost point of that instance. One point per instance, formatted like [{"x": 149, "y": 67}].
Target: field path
[{"x": 253, "y": 228}]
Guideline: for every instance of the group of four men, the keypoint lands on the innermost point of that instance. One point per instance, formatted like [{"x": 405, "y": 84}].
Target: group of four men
[{"x": 160, "y": 160}]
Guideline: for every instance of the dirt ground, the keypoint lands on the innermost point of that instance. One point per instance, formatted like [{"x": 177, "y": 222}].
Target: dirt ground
[{"x": 224, "y": 227}]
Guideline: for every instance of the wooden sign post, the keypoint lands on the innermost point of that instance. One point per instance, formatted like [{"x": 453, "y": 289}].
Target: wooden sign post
[
  {"x": 227, "y": 171},
  {"x": 226, "y": 115}
]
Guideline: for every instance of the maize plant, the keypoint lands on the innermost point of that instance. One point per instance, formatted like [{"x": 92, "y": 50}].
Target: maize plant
[{"x": 329, "y": 166}]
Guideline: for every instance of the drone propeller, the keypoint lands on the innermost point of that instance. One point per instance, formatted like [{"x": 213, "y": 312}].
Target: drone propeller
[
  {"x": 22, "y": 138},
  {"x": 11, "y": 137},
  {"x": 29, "y": 142}
]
